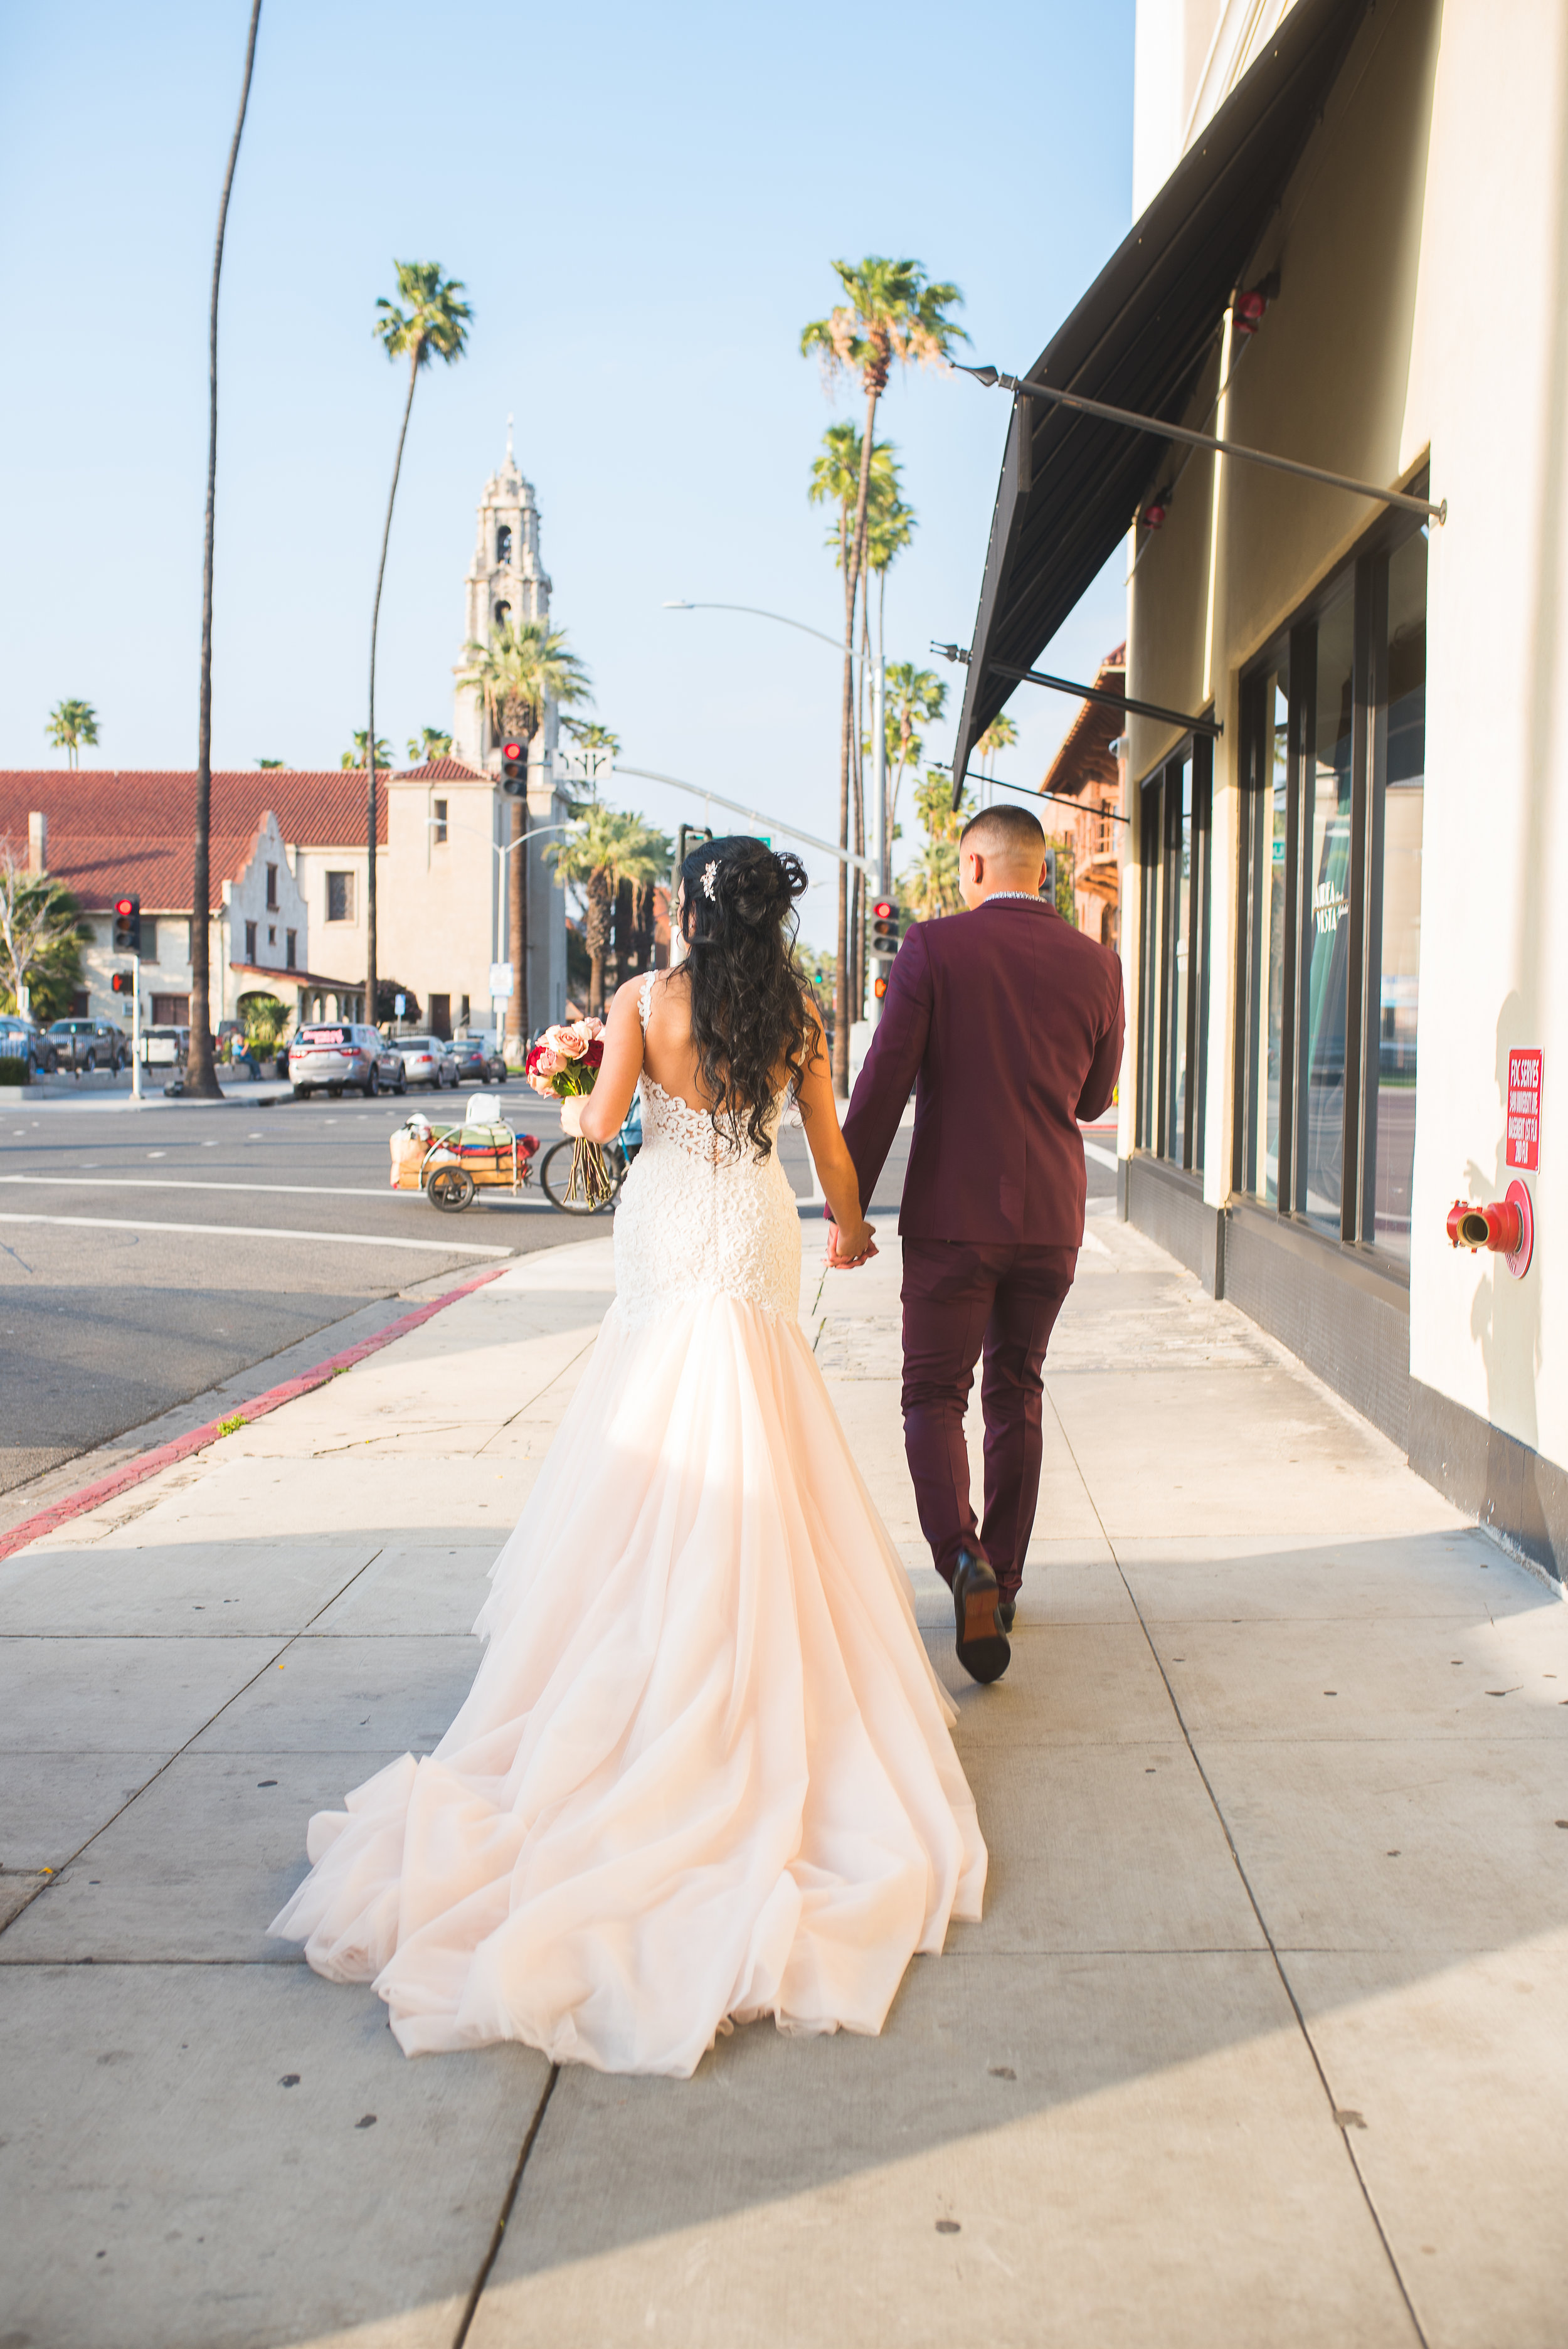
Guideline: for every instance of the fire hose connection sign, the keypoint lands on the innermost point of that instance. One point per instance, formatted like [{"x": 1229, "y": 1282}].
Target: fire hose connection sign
[{"x": 1524, "y": 1108}]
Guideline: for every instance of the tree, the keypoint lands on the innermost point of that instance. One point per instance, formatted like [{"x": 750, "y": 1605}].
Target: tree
[
  {"x": 201, "y": 1076},
  {"x": 891, "y": 311},
  {"x": 41, "y": 929},
  {"x": 433, "y": 324},
  {"x": 930, "y": 885},
  {"x": 1000, "y": 735},
  {"x": 267, "y": 765},
  {"x": 356, "y": 758},
  {"x": 429, "y": 743},
  {"x": 602, "y": 850},
  {"x": 915, "y": 697},
  {"x": 523, "y": 668},
  {"x": 71, "y": 725}
]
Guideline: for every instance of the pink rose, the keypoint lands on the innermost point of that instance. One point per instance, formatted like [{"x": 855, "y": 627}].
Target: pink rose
[
  {"x": 566, "y": 1043},
  {"x": 591, "y": 1028},
  {"x": 548, "y": 1064}
]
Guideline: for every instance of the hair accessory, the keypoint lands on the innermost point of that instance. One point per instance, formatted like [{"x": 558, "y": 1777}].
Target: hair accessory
[{"x": 707, "y": 872}]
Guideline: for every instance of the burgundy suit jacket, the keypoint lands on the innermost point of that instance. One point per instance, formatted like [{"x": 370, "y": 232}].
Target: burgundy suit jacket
[{"x": 1009, "y": 1023}]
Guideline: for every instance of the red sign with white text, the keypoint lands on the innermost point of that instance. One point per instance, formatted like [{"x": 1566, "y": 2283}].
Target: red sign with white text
[{"x": 1524, "y": 1108}]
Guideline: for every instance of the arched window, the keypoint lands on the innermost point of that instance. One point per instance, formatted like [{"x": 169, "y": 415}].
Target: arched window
[
  {"x": 503, "y": 544},
  {"x": 503, "y": 615}
]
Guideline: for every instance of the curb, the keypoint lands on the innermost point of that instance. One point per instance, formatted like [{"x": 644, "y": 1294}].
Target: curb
[{"x": 164, "y": 1456}]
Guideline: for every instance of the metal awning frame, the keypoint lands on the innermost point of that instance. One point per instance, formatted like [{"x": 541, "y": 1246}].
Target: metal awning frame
[
  {"x": 1098, "y": 693},
  {"x": 1026, "y": 388}
]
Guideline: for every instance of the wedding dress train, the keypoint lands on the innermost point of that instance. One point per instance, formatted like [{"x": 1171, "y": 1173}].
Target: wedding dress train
[{"x": 705, "y": 1771}]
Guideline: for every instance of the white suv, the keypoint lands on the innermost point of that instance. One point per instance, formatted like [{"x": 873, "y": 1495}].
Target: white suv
[{"x": 330, "y": 1058}]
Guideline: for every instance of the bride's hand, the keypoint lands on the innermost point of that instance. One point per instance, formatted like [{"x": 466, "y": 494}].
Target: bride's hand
[
  {"x": 849, "y": 1249},
  {"x": 572, "y": 1116}
]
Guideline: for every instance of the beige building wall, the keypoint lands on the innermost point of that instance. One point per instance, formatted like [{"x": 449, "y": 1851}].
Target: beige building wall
[{"x": 1423, "y": 310}]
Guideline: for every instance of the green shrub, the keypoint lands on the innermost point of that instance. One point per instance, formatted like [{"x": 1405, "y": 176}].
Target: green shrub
[{"x": 13, "y": 1069}]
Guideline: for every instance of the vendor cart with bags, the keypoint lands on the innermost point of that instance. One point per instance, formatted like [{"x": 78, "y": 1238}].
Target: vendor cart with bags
[{"x": 450, "y": 1163}]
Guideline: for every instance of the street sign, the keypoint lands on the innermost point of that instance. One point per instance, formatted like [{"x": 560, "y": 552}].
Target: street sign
[
  {"x": 500, "y": 980},
  {"x": 1524, "y": 1108},
  {"x": 399, "y": 1005}
]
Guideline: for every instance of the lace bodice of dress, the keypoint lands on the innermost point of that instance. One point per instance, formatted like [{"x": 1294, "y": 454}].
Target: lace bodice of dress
[{"x": 697, "y": 1216}]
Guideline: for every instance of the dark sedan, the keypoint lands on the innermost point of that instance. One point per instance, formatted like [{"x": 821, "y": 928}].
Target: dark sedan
[{"x": 475, "y": 1058}]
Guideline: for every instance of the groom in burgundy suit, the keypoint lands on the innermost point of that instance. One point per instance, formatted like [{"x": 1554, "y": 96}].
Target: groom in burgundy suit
[{"x": 1008, "y": 1024}]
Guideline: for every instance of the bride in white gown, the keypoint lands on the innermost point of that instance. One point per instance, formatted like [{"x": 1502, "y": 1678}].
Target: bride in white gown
[{"x": 705, "y": 1771}]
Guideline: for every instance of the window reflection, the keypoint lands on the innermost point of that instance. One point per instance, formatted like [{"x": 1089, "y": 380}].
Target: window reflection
[
  {"x": 1394, "y": 1142},
  {"x": 1326, "y": 945},
  {"x": 1178, "y": 790}
]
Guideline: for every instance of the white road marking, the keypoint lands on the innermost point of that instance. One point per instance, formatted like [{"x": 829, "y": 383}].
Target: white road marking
[
  {"x": 262, "y": 1232},
  {"x": 1102, "y": 1157},
  {"x": 188, "y": 1183}
]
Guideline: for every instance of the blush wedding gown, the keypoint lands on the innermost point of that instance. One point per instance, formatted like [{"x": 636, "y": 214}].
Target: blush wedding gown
[{"x": 705, "y": 1771}]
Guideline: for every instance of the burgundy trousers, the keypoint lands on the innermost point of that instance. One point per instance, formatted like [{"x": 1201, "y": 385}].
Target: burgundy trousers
[{"x": 960, "y": 1297}]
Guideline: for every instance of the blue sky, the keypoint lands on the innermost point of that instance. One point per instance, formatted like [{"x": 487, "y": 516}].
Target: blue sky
[{"x": 644, "y": 205}]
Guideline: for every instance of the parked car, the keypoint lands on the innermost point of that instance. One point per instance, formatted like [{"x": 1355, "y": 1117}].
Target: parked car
[
  {"x": 327, "y": 1059},
  {"x": 22, "y": 1040},
  {"x": 89, "y": 1044},
  {"x": 476, "y": 1057},
  {"x": 427, "y": 1061}
]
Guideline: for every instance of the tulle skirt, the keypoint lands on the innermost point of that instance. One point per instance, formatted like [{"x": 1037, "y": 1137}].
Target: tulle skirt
[{"x": 705, "y": 1771}]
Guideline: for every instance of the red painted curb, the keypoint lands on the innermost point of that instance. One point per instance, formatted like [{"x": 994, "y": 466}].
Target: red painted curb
[{"x": 148, "y": 1464}]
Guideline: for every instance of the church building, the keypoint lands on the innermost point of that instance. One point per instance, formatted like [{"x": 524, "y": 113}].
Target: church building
[{"x": 289, "y": 857}]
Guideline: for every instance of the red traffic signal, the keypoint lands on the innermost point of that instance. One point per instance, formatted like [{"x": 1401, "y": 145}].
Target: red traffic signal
[
  {"x": 515, "y": 769},
  {"x": 124, "y": 907},
  {"x": 122, "y": 983},
  {"x": 885, "y": 928},
  {"x": 511, "y": 749},
  {"x": 128, "y": 925}
]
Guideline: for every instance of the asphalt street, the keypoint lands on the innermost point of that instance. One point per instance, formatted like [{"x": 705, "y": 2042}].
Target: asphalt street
[{"x": 148, "y": 1254}]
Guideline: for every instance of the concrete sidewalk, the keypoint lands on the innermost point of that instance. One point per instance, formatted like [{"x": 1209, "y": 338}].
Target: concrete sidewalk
[{"x": 1264, "y": 2038}]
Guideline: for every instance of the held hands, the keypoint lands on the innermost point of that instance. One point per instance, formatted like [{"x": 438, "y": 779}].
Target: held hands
[
  {"x": 571, "y": 1115},
  {"x": 846, "y": 1252}
]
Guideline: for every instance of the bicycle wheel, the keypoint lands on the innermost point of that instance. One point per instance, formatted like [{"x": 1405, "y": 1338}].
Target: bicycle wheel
[
  {"x": 555, "y": 1178},
  {"x": 451, "y": 1188}
]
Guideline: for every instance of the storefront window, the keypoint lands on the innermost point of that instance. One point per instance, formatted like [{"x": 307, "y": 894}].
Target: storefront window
[
  {"x": 1326, "y": 925},
  {"x": 1172, "y": 1049},
  {"x": 1179, "y": 803},
  {"x": 1329, "y": 905},
  {"x": 1392, "y": 1134},
  {"x": 1263, "y": 938}
]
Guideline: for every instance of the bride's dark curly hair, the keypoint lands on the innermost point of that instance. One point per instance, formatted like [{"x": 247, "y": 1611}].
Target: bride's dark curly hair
[{"x": 746, "y": 990}]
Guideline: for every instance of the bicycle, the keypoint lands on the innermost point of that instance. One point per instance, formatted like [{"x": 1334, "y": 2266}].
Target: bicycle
[{"x": 555, "y": 1173}]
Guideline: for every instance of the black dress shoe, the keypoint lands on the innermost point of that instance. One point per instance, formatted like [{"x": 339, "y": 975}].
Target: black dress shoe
[
  {"x": 983, "y": 1648},
  {"x": 1006, "y": 1608}
]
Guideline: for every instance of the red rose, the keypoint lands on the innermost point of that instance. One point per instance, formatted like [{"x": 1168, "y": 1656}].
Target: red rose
[
  {"x": 595, "y": 1053},
  {"x": 531, "y": 1063}
]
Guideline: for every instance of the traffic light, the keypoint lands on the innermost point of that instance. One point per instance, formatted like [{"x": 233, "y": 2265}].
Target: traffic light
[
  {"x": 690, "y": 836},
  {"x": 885, "y": 929},
  {"x": 123, "y": 983},
  {"x": 515, "y": 769},
  {"x": 128, "y": 925}
]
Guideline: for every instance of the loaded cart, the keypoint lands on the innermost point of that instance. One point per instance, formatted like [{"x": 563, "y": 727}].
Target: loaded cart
[{"x": 450, "y": 1163}]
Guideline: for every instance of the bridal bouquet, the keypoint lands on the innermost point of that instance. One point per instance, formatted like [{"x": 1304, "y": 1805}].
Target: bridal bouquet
[{"x": 565, "y": 1062}]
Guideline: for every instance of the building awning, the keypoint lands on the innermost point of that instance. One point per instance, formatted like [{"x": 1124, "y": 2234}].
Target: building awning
[
  {"x": 1071, "y": 483},
  {"x": 278, "y": 982}
]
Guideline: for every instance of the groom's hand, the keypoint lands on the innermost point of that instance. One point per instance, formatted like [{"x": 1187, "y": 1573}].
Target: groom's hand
[{"x": 839, "y": 1258}]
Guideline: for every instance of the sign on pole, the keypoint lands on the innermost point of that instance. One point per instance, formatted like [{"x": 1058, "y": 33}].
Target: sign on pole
[{"x": 500, "y": 980}]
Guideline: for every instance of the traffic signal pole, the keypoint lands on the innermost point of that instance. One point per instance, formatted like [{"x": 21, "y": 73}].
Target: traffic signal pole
[
  {"x": 879, "y": 787},
  {"x": 136, "y": 1030}
]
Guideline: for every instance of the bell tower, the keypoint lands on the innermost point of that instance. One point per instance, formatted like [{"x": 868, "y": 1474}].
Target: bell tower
[{"x": 506, "y": 583}]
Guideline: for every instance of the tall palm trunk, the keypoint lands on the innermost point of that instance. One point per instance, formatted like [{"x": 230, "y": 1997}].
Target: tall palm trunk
[
  {"x": 371, "y": 825},
  {"x": 597, "y": 939},
  {"x": 202, "y": 1077},
  {"x": 625, "y": 940},
  {"x": 876, "y": 377}
]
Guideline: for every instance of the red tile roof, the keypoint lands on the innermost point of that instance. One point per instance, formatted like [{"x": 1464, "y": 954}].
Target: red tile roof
[
  {"x": 113, "y": 830},
  {"x": 440, "y": 771},
  {"x": 1084, "y": 756}
]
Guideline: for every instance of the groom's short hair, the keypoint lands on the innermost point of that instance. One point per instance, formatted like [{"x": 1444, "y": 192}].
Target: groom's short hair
[{"x": 1011, "y": 833}]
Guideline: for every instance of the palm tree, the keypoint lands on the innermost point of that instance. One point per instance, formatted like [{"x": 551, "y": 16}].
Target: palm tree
[
  {"x": 525, "y": 665},
  {"x": 1000, "y": 735},
  {"x": 72, "y": 724},
  {"x": 356, "y": 758},
  {"x": 602, "y": 850},
  {"x": 201, "y": 1076},
  {"x": 891, "y": 311},
  {"x": 434, "y": 323},
  {"x": 915, "y": 697},
  {"x": 430, "y": 743}
]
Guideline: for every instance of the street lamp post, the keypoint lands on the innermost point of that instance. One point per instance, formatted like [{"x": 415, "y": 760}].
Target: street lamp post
[{"x": 501, "y": 849}]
